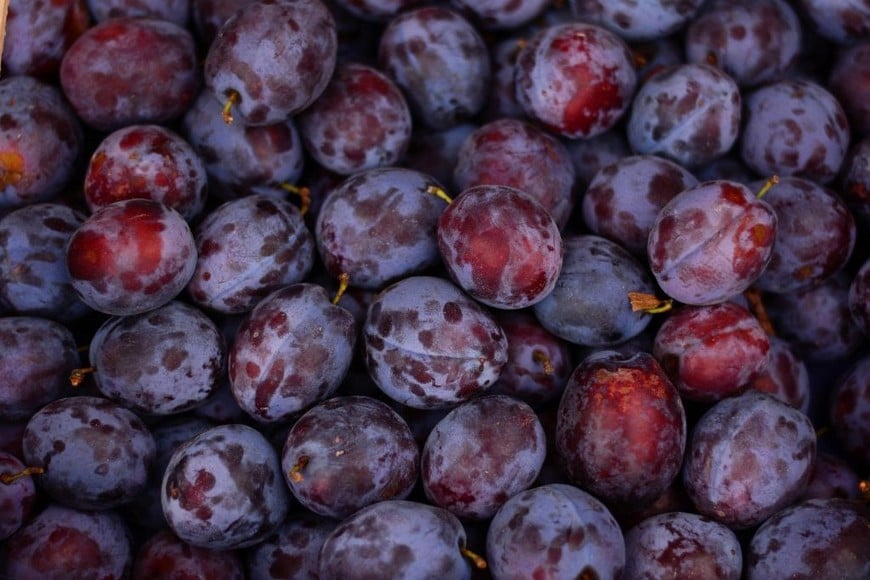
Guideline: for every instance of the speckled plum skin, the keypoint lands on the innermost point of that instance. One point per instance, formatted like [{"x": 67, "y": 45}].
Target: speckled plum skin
[
  {"x": 638, "y": 21},
  {"x": 859, "y": 297},
  {"x": 148, "y": 162},
  {"x": 576, "y": 79},
  {"x": 555, "y": 531},
  {"x": 820, "y": 538},
  {"x": 753, "y": 42},
  {"x": 749, "y": 456},
  {"x": 624, "y": 198},
  {"x": 379, "y": 226},
  {"x": 785, "y": 376},
  {"x": 96, "y": 454},
  {"x": 224, "y": 490},
  {"x": 711, "y": 352},
  {"x": 396, "y": 539},
  {"x": 34, "y": 280},
  {"x": 428, "y": 345},
  {"x": 682, "y": 545},
  {"x": 470, "y": 466},
  {"x": 356, "y": 451},
  {"x": 501, "y": 246},
  {"x": 36, "y": 358},
  {"x": 130, "y": 257},
  {"x": 246, "y": 249},
  {"x": 16, "y": 498},
  {"x": 516, "y": 153},
  {"x": 62, "y": 542},
  {"x": 794, "y": 127},
  {"x": 440, "y": 61},
  {"x": 621, "y": 429},
  {"x": 165, "y": 361},
  {"x": 850, "y": 411},
  {"x": 163, "y": 555},
  {"x": 270, "y": 54},
  {"x": 689, "y": 113},
  {"x": 711, "y": 242},
  {"x": 293, "y": 550}
]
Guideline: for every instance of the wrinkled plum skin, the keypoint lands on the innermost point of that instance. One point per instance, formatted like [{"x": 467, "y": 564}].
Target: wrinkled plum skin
[
  {"x": 708, "y": 97},
  {"x": 246, "y": 249},
  {"x": 501, "y": 246},
  {"x": 576, "y": 79},
  {"x": 682, "y": 545},
  {"x": 624, "y": 198},
  {"x": 148, "y": 162},
  {"x": 638, "y": 21},
  {"x": 711, "y": 242},
  {"x": 292, "y": 551},
  {"x": 36, "y": 358},
  {"x": 440, "y": 62},
  {"x": 96, "y": 454},
  {"x": 794, "y": 127},
  {"x": 428, "y": 345},
  {"x": 396, "y": 539},
  {"x": 270, "y": 55},
  {"x": 62, "y": 542},
  {"x": 785, "y": 376},
  {"x": 16, "y": 498},
  {"x": 850, "y": 411},
  {"x": 470, "y": 466},
  {"x": 358, "y": 451},
  {"x": 39, "y": 32},
  {"x": 131, "y": 256},
  {"x": 820, "y": 538},
  {"x": 554, "y": 531},
  {"x": 621, "y": 429},
  {"x": 150, "y": 58},
  {"x": 379, "y": 226},
  {"x": 711, "y": 352},
  {"x": 223, "y": 489},
  {"x": 589, "y": 303},
  {"x": 748, "y": 457},
  {"x": 163, "y": 555}
]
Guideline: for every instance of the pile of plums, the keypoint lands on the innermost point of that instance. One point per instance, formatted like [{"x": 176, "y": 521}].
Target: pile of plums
[{"x": 377, "y": 289}]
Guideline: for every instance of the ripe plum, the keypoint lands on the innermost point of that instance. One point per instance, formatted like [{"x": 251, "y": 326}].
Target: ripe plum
[
  {"x": 850, "y": 411},
  {"x": 165, "y": 556},
  {"x": 39, "y": 32},
  {"x": 17, "y": 494},
  {"x": 292, "y": 551},
  {"x": 785, "y": 376}
]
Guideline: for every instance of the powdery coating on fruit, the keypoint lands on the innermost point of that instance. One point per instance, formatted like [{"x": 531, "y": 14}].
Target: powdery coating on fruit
[
  {"x": 396, "y": 539},
  {"x": 833, "y": 477},
  {"x": 130, "y": 257},
  {"x": 34, "y": 280},
  {"x": 753, "y": 42},
  {"x": 16, "y": 498},
  {"x": 428, "y": 345},
  {"x": 850, "y": 411},
  {"x": 848, "y": 81},
  {"x": 577, "y": 79},
  {"x": 223, "y": 489},
  {"x": 821, "y": 538},
  {"x": 785, "y": 376},
  {"x": 711, "y": 242},
  {"x": 554, "y": 531},
  {"x": 854, "y": 180},
  {"x": 130, "y": 70},
  {"x": 278, "y": 55},
  {"x": 350, "y": 452},
  {"x": 482, "y": 453},
  {"x": 291, "y": 351},
  {"x": 175, "y": 11},
  {"x": 163, "y": 555},
  {"x": 39, "y": 32},
  {"x": 842, "y": 21},
  {"x": 621, "y": 429},
  {"x": 248, "y": 248},
  {"x": 638, "y": 21},
  {"x": 377, "y": 10},
  {"x": 515, "y": 153},
  {"x": 441, "y": 63},
  {"x": 859, "y": 297},
  {"x": 40, "y": 140},
  {"x": 36, "y": 357},
  {"x": 62, "y": 541},
  {"x": 501, "y": 14},
  {"x": 689, "y": 113},
  {"x": 96, "y": 454},
  {"x": 379, "y": 226},
  {"x": 293, "y": 550},
  {"x": 589, "y": 304},
  {"x": 712, "y": 352},
  {"x": 624, "y": 198},
  {"x": 165, "y": 361},
  {"x": 815, "y": 235},
  {"x": 147, "y": 162},
  {"x": 749, "y": 456},
  {"x": 794, "y": 127},
  {"x": 682, "y": 545},
  {"x": 241, "y": 160},
  {"x": 361, "y": 121}
]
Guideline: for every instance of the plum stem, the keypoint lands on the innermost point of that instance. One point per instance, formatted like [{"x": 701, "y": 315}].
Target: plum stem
[
  {"x": 864, "y": 489},
  {"x": 541, "y": 357},
  {"x": 756, "y": 306},
  {"x": 649, "y": 303},
  {"x": 771, "y": 181},
  {"x": 439, "y": 193},
  {"x": 295, "y": 473},
  {"x": 343, "y": 283},
  {"x": 9, "y": 478},
  {"x": 303, "y": 192},
  {"x": 77, "y": 376},
  {"x": 476, "y": 559},
  {"x": 233, "y": 98}
]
